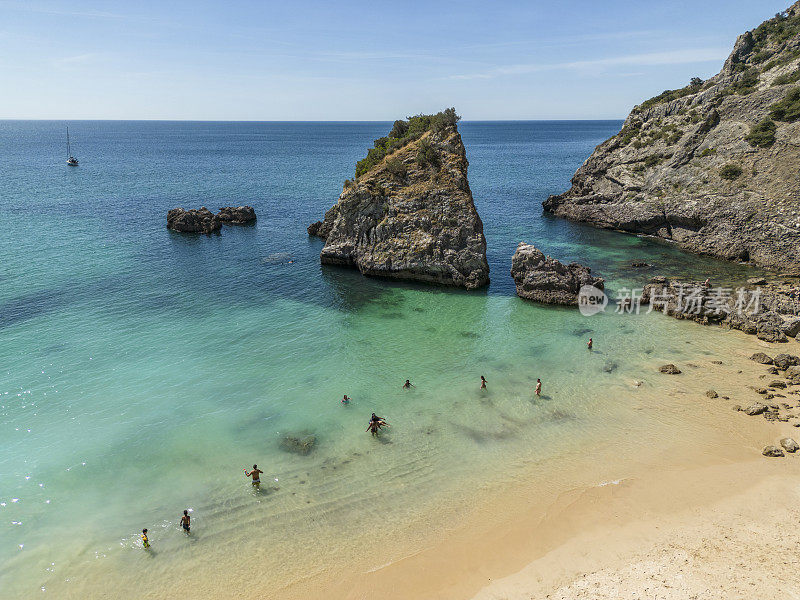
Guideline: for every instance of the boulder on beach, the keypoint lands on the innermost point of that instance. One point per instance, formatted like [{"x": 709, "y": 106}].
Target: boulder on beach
[
  {"x": 777, "y": 383},
  {"x": 792, "y": 327},
  {"x": 237, "y": 215},
  {"x": 784, "y": 361},
  {"x": 547, "y": 280},
  {"x": 193, "y": 220},
  {"x": 761, "y": 358},
  {"x": 755, "y": 409},
  {"x": 772, "y": 451},
  {"x": 669, "y": 369},
  {"x": 712, "y": 394},
  {"x": 789, "y": 445}
]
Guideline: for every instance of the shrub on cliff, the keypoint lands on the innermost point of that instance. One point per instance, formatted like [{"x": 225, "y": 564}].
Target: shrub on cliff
[
  {"x": 787, "y": 109},
  {"x": 396, "y": 167},
  {"x": 405, "y": 132},
  {"x": 762, "y": 135},
  {"x": 730, "y": 171},
  {"x": 787, "y": 78},
  {"x": 426, "y": 155}
]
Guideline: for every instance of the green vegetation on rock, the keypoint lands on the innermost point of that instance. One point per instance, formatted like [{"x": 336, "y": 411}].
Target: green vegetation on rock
[
  {"x": 787, "y": 109},
  {"x": 708, "y": 152},
  {"x": 762, "y": 135},
  {"x": 787, "y": 78},
  {"x": 730, "y": 171},
  {"x": 405, "y": 132},
  {"x": 669, "y": 95}
]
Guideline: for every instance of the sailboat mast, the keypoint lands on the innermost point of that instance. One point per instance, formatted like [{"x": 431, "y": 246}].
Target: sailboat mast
[{"x": 68, "y": 150}]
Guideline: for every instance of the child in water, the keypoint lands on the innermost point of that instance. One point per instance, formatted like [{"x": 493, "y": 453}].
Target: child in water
[
  {"x": 538, "y": 387},
  {"x": 185, "y": 521},
  {"x": 345, "y": 399},
  {"x": 483, "y": 382},
  {"x": 145, "y": 541},
  {"x": 589, "y": 344}
]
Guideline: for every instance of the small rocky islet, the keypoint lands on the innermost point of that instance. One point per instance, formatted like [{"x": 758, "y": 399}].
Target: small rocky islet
[
  {"x": 203, "y": 220},
  {"x": 408, "y": 213}
]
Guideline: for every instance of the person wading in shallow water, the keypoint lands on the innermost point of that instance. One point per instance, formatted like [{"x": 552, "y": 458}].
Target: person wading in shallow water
[
  {"x": 408, "y": 385},
  {"x": 589, "y": 344},
  {"x": 483, "y": 382},
  {"x": 145, "y": 541},
  {"x": 376, "y": 423},
  {"x": 538, "y": 387},
  {"x": 345, "y": 399},
  {"x": 255, "y": 475},
  {"x": 185, "y": 521}
]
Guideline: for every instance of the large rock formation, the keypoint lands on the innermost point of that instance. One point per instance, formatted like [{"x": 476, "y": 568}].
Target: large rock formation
[
  {"x": 712, "y": 166},
  {"x": 544, "y": 279},
  {"x": 237, "y": 215},
  {"x": 409, "y": 213},
  {"x": 193, "y": 220}
]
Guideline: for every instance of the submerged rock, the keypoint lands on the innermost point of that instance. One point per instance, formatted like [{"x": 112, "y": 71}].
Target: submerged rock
[
  {"x": 410, "y": 215},
  {"x": 298, "y": 443},
  {"x": 545, "y": 279},
  {"x": 670, "y": 369},
  {"x": 193, "y": 220},
  {"x": 237, "y": 215}
]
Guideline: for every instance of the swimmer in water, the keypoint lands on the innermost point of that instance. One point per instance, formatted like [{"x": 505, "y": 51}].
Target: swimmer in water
[
  {"x": 483, "y": 382},
  {"x": 255, "y": 475},
  {"x": 185, "y": 521},
  {"x": 408, "y": 385},
  {"x": 376, "y": 423},
  {"x": 589, "y": 344},
  {"x": 145, "y": 541},
  {"x": 538, "y": 387},
  {"x": 345, "y": 399}
]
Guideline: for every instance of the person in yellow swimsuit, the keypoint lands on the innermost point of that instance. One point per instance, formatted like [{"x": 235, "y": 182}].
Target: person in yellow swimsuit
[{"x": 145, "y": 541}]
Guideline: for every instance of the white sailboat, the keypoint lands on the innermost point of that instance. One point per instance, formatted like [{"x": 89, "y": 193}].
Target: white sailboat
[{"x": 71, "y": 161}]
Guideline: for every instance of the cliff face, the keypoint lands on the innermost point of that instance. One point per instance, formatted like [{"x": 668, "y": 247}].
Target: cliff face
[
  {"x": 410, "y": 216},
  {"x": 712, "y": 166}
]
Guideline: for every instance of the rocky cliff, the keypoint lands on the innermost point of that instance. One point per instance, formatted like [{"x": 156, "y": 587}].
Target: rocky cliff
[
  {"x": 712, "y": 166},
  {"x": 409, "y": 213}
]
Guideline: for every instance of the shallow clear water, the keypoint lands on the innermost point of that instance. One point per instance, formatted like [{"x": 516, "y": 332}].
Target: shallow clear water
[{"x": 142, "y": 370}]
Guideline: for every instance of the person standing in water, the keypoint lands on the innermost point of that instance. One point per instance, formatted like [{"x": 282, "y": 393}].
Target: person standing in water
[
  {"x": 376, "y": 423},
  {"x": 408, "y": 385},
  {"x": 185, "y": 521},
  {"x": 255, "y": 475},
  {"x": 483, "y": 382},
  {"x": 589, "y": 344},
  {"x": 538, "y": 387},
  {"x": 145, "y": 541},
  {"x": 345, "y": 399}
]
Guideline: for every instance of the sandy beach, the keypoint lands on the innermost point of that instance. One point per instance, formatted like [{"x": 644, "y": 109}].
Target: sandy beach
[{"x": 701, "y": 522}]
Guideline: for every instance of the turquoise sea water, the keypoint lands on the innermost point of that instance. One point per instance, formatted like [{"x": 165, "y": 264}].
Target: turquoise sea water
[{"x": 142, "y": 370}]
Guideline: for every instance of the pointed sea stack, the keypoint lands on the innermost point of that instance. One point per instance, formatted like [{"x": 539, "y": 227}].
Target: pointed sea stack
[
  {"x": 409, "y": 212},
  {"x": 712, "y": 166}
]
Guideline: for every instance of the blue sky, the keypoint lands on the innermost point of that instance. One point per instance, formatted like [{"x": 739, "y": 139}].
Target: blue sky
[{"x": 347, "y": 60}]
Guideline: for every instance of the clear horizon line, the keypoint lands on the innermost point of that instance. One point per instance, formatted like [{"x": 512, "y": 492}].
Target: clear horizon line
[{"x": 297, "y": 120}]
